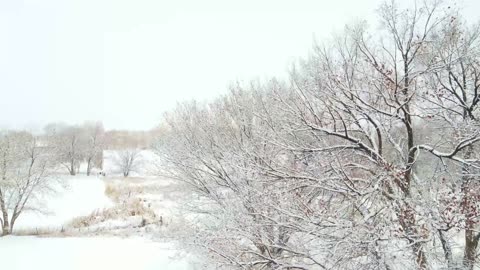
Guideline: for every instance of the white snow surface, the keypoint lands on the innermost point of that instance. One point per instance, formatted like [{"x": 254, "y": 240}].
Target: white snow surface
[
  {"x": 79, "y": 196},
  {"x": 74, "y": 196},
  {"x": 26, "y": 253}
]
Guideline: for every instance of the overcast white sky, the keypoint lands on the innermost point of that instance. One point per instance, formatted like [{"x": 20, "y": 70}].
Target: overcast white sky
[{"x": 126, "y": 62}]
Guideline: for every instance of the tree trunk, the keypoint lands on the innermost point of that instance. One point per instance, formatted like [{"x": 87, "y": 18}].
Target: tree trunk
[
  {"x": 5, "y": 224},
  {"x": 72, "y": 167},
  {"x": 447, "y": 250},
  {"x": 3, "y": 207},
  {"x": 89, "y": 166},
  {"x": 471, "y": 237},
  {"x": 100, "y": 160},
  {"x": 12, "y": 222},
  {"x": 471, "y": 243},
  {"x": 408, "y": 222},
  {"x": 5, "y": 228}
]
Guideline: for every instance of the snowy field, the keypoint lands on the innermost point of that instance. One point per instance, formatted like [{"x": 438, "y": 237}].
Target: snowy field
[
  {"x": 80, "y": 196},
  {"x": 74, "y": 196},
  {"x": 88, "y": 253}
]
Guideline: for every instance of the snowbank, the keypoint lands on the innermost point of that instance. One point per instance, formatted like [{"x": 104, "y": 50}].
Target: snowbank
[
  {"x": 75, "y": 196},
  {"x": 25, "y": 253}
]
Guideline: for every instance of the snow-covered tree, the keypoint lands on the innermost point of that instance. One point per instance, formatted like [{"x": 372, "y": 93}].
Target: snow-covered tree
[
  {"x": 75, "y": 144},
  {"x": 25, "y": 170},
  {"x": 95, "y": 143},
  {"x": 70, "y": 145},
  {"x": 128, "y": 161},
  {"x": 365, "y": 159}
]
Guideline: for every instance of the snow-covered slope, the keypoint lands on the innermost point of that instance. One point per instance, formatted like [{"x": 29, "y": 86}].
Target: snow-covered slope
[
  {"x": 80, "y": 196},
  {"x": 102, "y": 253},
  {"x": 74, "y": 196}
]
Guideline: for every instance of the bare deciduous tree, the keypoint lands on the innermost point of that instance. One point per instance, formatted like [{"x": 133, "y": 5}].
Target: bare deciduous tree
[
  {"x": 128, "y": 161},
  {"x": 94, "y": 145},
  {"x": 366, "y": 160},
  {"x": 70, "y": 145},
  {"x": 25, "y": 173},
  {"x": 77, "y": 144}
]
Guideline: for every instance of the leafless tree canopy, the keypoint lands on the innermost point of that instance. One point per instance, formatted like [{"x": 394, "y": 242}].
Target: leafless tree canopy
[
  {"x": 76, "y": 144},
  {"x": 128, "y": 161},
  {"x": 365, "y": 159},
  {"x": 95, "y": 143},
  {"x": 25, "y": 170}
]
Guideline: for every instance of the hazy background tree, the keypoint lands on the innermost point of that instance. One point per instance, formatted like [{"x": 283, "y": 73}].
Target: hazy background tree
[
  {"x": 70, "y": 144},
  {"x": 95, "y": 143},
  {"x": 128, "y": 161},
  {"x": 77, "y": 144}
]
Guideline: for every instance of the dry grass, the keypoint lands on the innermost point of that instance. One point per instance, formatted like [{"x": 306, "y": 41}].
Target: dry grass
[
  {"x": 36, "y": 231},
  {"x": 132, "y": 208},
  {"x": 121, "y": 192},
  {"x": 44, "y": 232},
  {"x": 126, "y": 194}
]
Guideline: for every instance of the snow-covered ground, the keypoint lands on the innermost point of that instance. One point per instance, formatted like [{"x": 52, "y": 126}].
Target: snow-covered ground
[
  {"x": 74, "y": 196},
  {"x": 108, "y": 247},
  {"x": 26, "y": 253}
]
